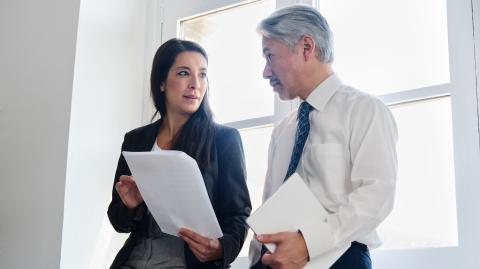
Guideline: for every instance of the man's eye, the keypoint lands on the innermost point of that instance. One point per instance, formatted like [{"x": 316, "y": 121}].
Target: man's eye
[
  {"x": 269, "y": 57},
  {"x": 183, "y": 73}
]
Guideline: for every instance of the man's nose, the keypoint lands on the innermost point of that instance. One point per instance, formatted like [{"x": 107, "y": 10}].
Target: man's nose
[{"x": 267, "y": 72}]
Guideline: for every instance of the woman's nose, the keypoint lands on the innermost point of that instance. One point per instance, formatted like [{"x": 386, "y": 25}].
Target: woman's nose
[{"x": 194, "y": 83}]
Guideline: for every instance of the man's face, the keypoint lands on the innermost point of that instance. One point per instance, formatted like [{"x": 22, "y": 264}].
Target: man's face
[{"x": 282, "y": 65}]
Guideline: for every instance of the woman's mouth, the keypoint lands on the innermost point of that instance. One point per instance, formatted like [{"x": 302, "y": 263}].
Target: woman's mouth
[{"x": 191, "y": 97}]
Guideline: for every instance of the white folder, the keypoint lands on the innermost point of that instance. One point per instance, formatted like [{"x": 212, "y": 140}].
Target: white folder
[{"x": 289, "y": 209}]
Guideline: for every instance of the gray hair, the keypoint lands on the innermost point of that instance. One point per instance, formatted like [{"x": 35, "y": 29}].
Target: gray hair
[{"x": 291, "y": 23}]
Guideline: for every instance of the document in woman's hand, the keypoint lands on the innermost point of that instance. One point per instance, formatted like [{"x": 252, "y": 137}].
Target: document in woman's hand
[{"x": 172, "y": 186}]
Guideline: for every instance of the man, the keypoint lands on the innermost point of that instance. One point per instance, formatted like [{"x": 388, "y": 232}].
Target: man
[{"x": 341, "y": 142}]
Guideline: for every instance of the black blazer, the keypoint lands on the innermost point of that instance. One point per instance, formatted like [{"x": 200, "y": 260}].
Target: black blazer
[{"x": 225, "y": 181}]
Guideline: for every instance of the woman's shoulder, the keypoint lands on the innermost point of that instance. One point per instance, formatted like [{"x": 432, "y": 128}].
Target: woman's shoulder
[
  {"x": 146, "y": 130},
  {"x": 227, "y": 138},
  {"x": 223, "y": 132}
]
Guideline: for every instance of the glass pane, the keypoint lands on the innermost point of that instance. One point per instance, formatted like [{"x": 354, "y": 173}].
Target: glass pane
[
  {"x": 424, "y": 214},
  {"x": 255, "y": 143},
  {"x": 384, "y": 46},
  {"x": 235, "y": 60}
]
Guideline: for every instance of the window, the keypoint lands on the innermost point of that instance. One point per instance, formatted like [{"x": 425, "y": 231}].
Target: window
[
  {"x": 235, "y": 74},
  {"x": 424, "y": 214},
  {"x": 398, "y": 70},
  {"x": 395, "y": 49},
  {"x": 398, "y": 51},
  {"x": 382, "y": 59},
  {"x": 407, "y": 50},
  {"x": 234, "y": 67}
]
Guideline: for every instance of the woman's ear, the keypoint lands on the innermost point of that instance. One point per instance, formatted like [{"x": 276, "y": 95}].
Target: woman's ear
[{"x": 162, "y": 87}]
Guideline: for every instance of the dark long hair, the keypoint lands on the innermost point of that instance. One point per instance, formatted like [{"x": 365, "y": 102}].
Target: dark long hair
[{"x": 196, "y": 136}]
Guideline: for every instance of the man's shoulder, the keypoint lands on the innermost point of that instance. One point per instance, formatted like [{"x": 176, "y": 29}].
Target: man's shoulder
[
  {"x": 361, "y": 107},
  {"x": 359, "y": 99}
]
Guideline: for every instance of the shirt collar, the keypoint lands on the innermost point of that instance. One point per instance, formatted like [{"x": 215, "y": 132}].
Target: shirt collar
[{"x": 320, "y": 96}]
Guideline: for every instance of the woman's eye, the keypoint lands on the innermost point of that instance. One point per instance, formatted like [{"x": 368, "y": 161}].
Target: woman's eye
[
  {"x": 203, "y": 75},
  {"x": 183, "y": 73}
]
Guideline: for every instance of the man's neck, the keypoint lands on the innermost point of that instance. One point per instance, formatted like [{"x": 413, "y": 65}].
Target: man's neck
[{"x": 315, "y": 75}]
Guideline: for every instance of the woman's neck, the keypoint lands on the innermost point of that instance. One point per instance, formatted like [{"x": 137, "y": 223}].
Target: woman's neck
[{"x": 169, "y": 129}]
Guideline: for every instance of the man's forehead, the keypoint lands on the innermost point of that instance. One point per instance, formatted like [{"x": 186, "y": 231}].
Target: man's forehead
[
  {"x": 273, "y": 45},
  {"x": 268, "y": 43}
]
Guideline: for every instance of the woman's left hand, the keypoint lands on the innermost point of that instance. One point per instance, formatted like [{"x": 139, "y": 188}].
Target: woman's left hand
[{"x": 204, "y": 248}]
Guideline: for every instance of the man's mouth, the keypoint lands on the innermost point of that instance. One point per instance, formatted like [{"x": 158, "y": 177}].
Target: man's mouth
[{"x": 274, "y": 82}]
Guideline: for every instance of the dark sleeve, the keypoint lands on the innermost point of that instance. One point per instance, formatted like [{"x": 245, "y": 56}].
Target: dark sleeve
[
  {"x": 234, "y": 200},
  {"x": 123, "y": 219}
]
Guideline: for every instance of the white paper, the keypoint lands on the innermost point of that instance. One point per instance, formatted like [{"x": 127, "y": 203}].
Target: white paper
[
  {"x": 288, "y": 209},
  {"x": 173, "y": 189}
]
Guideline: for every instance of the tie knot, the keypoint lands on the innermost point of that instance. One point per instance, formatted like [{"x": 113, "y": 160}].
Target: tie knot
[{"x": 304, "y": 110}]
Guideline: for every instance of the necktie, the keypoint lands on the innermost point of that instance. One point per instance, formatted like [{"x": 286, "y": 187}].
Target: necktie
[{"x": 303, "y": 127}]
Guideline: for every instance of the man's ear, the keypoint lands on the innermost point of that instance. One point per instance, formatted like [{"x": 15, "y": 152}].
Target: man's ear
[{"x": 308, "y": 47}]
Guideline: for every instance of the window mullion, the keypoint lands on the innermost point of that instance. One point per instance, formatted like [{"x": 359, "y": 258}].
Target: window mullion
[{"x": 416, "y": 94}]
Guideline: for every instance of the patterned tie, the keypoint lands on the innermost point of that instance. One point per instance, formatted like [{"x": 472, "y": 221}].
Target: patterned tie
[{"x": 301, "y": 135}]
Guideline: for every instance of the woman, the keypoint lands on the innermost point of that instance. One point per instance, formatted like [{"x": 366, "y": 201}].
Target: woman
[{"x": 178, "y": 88}]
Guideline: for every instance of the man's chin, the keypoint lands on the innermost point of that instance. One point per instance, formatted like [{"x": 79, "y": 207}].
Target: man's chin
[
  {"x": 282, "y": 94},
  {"x": 283, "y": 97}
]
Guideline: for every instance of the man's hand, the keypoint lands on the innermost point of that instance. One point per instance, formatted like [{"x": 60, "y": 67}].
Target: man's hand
[
  {"x": 204, "y": 248},
  {"x": 291, "y": 250}
]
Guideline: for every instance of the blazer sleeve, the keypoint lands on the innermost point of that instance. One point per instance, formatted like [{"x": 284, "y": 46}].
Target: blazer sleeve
[
  {"x": 234, "y": 200},
  {"x": 123, "y": 219}
]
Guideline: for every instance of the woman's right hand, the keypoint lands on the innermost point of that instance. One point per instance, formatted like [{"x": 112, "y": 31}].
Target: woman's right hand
[{"x": 128, "y": 191}]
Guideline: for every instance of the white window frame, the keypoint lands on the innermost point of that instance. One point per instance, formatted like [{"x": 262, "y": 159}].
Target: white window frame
[{"x": 464, "y": 40}]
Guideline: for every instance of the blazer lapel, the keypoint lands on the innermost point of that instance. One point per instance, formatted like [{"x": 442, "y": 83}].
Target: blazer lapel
[{"x": 148, "y": 137}]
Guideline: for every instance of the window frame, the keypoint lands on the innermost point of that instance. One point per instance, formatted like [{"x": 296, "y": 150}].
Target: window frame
[{"x": 463, "y": 19}]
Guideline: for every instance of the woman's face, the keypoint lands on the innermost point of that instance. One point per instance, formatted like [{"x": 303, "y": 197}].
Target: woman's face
[{"x": 186, "y": 83}]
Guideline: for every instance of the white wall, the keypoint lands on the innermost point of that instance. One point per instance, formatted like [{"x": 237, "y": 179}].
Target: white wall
[
  {"x": 37, "y": 50},
  {"x": 107, "y": 98}
]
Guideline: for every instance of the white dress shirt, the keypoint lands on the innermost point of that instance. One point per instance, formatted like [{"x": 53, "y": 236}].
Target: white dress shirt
[{"x": 349, "y": 162}]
